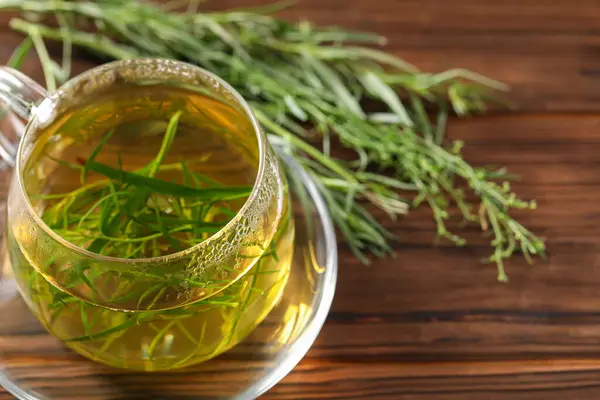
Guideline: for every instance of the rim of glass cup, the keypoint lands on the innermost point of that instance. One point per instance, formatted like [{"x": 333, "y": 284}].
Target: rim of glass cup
[{"x": 48, "y": 106}]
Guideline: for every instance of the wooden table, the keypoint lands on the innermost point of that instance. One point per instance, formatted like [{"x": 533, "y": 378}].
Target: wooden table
[{"x": 434, "y": 323}]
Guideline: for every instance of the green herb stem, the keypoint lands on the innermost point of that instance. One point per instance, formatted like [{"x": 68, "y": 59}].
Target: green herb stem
[{"x": 307, "y": 86}]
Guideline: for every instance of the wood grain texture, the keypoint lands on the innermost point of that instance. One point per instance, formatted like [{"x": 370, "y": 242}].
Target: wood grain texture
[{"x": 433, "y": 323}]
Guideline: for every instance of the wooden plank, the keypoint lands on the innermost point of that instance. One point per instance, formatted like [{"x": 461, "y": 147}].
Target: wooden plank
[{"x": 315, "y": 379}]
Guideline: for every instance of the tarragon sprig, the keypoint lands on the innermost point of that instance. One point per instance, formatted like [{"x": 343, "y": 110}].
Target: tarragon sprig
[{"x": 308, "y": 86}]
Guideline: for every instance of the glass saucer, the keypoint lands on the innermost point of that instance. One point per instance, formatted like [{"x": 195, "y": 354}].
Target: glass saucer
[{"x": 35, "y": 366}]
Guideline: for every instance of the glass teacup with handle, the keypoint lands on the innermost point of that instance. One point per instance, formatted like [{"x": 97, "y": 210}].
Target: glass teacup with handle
[{"x": 148, "y": 219}]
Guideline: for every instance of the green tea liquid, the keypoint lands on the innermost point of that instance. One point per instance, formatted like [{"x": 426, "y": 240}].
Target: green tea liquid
[{"x": 125, "y": 216}]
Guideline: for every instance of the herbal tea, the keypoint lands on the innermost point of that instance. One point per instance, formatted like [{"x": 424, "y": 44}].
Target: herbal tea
[{"x": 152, "y": 180}]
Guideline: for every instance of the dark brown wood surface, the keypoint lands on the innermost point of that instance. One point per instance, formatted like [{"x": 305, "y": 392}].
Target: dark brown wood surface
[{"x": 434, "y": 323}]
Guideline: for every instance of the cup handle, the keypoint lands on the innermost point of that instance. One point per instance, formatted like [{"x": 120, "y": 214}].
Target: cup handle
[{"x": 18, "y": 94}]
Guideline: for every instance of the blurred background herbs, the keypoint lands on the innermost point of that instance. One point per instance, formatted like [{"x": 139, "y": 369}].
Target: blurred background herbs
[{"x": 311, "y": 87}]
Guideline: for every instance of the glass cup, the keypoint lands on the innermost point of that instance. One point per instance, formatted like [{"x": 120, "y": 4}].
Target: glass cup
[{"x": 152, "y": 313}]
